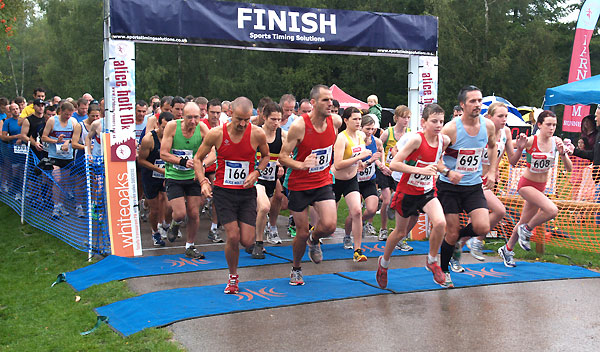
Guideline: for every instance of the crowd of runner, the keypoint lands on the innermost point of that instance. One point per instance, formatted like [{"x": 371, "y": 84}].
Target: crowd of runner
[{"x": 243, "y": 169}]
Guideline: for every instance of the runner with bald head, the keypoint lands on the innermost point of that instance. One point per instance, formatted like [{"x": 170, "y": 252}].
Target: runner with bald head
[
  {"x": 234, "y": 193},
  {"x": 181, "y": 140},
  {"x": 310, "y": 139}
]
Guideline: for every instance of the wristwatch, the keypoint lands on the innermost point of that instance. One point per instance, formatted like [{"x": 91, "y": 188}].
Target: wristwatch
[{"x": 445, "y": 172}]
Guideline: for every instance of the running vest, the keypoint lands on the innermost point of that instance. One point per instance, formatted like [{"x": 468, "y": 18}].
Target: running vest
[
  {"x": 213, "y": 167},
  {"x": 154, "y": 158},
  {"x": 500, "y": 143},
  {"x": 369, "y": 172},
  {"x": 96, "y": 145},
  {"x": 54, "y": 150},
  {"x": 465, "y": 155},
  {"x": 352, "y": 148},
  {"x": 320, "y": 144},
  {"x": 139, "y": 128},
  {"x": 389, "y": 144},
  {"x": 538, "y": 161},
  {"x": 270, "y": 173},
  {"x": 183, "y": 147},
  {"x": 235, "y": 161},
  {"x": 417, "y": 184},
  {"x": 84, "y": 132}
]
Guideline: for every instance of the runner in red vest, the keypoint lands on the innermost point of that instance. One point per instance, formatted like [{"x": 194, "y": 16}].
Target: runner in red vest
[
  {"x": 419, "y": 161},
  {"x": 310, "y": 140},
  {"x": 234, "y": 194}
]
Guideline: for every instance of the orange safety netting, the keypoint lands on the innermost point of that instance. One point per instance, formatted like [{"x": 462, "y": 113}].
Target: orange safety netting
[{"x": 574, "y": 193}]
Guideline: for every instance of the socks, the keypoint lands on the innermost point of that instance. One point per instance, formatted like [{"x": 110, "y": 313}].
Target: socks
[
  {"x": 297, "y": 268},
  {"x": 213, "y": 226},
  {"x": 273, "y": 229},
  {"x": 508, "y": 249},
  {"x": 431, "y": 259},
  {"x": 384, "y": 263},
  {"x": 259, "y": 242},
  {"x": 188, "y": 245},
  {"x": 467, "y": 231},
  {"x": 528, "y": 228},
  {"x": 446, "y": 253}
]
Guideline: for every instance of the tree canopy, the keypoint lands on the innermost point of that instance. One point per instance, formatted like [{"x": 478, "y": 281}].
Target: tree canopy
[{"x": 512, "y": 48}]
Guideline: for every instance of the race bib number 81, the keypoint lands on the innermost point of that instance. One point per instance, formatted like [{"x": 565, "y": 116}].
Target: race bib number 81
[
  {"x": 323, "y": 159},
  {"x": 235, "y": 172}
]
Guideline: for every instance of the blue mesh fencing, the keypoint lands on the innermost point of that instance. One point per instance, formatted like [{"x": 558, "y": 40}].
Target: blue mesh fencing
[{"x": 67, "y": 202}]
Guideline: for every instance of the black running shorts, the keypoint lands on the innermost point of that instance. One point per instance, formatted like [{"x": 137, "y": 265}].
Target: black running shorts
[
  {"x": 300, "y": 200},
  {"x": 455, "y": 199},
  {"x": 235, "y": 205}
]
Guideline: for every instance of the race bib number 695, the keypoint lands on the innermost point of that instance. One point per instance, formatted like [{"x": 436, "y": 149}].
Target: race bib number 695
[{"x": 468, "y": 160}]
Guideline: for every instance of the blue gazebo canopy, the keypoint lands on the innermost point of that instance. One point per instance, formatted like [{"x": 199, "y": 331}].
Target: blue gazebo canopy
[{"x": 585, "y": 92}]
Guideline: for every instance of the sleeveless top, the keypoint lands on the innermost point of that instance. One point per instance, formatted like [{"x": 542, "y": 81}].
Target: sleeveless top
[
  {"x": 97, "y": 145},
  {"x": 154, "y": 158},
  {"x": 270, "y": 173},
  {"x": 369, "y": 172},
  {"x": 538, "y": 161},
  {"x": 352, "y": 147},
  {"x": 235, "y": 161},
  {"x": 417, "y": 184},
  {"x": 183, "y": 147},
  {"x": 389, "y": 144},
  {"x": 139, "y": 128},
  {"x": 320, "y": 144},
  {"x": 500, "y": 143},
  {"x": 54, "y": 150},
  {"x": 213, "y": 167},
  {"x": 465, "y": 155}
]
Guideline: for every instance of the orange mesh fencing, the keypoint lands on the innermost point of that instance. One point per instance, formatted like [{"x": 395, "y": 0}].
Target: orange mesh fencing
[{"x": 574, "y": 193}]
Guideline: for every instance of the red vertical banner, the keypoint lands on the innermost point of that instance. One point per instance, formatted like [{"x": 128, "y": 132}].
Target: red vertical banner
[{"x": 580, "y": 61}]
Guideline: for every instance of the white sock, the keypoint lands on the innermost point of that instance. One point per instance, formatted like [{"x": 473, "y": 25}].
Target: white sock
[
  {"x": 273, "y": 229},
  {"x": 165, "y": 225},
  {"x": 384, "y": 263},
  {"x": 431, "y": 259},
  {"x": 213, "y": 226},
  {"x": 188, "y": 245}
]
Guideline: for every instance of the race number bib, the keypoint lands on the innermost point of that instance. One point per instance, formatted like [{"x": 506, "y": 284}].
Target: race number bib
[
  {"x": 468, "y": 160},
  {"x": 66, "y": 154},
  {"x": 235, "y": 172},
  {"x": 20, "y": 148},
  {"x": 160, "y": 164},
  {"x": 389, "y": 157},
  {"x": 485, "y": 160},
  {"x": 355, "y": 152},
  {"x": 421, "y": 181},
  {"x": 323, "y": 159},
  {"x": 269, "y": 173},
  {"x": 182, "y": 153},
  {"x": 367, "y": 173},
  {"x": 541, "y": 162}
]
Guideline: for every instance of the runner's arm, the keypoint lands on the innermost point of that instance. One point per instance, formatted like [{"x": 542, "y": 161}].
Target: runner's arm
[
  {"x": 294, "y": 137},
  {"x": 146, "y": 146},
  {"x": 25, "y": 131},
  {"x": 209, "y": 142},
  {"x": 167, "y": 143},
  {"x": 47, "y": 130},
  {"x": 77, "y": 137}
]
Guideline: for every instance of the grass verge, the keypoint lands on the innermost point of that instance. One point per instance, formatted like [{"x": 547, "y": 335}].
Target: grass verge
[{"x": 37, "y": 317}]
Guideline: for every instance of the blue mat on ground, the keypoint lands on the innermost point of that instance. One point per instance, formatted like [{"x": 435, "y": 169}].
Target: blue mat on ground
[
  {"x": 419, "y": 279},
  {"x": 119, "y": 268},
  {"x": 135, "y": 314}
]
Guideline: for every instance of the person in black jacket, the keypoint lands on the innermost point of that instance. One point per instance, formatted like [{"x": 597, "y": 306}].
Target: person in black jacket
[{"x": 593, "y": 154}]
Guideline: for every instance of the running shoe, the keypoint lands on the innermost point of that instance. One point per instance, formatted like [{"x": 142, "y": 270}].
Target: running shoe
[
  {"x": 292, "y": 231},
  {"x": 173, "y": 231},
  {"x": 447, "y": 281},
  {"x": 258, "y": 252},
  {"x": 314, "y": 251},
  {"x": 213, "y": 235},
  {"x": 507, "y": 256},
  {"x": 272, "y": 236},
  {"x": 403, "y": 246},
  {"x": 455, "y": 259},
  {"x": 524, "y": 236},
  {"x": 476, "y": 248},
  {"x": 359, "y": 256},
  {"x": 232, "y": 285},
  {"x": 56, "y": 212},
  {"x": 62, "y": 209},
  {"x": 383, "y": 235},
  {"x": 192, "y": 252},
  {"x": 347, "y": 242},
  {"x": 158, "y": 242},
  {"x": 381, "y": 275},
  {"x": 369, "y": 230},
  {"x": 438, "y": 274},
  {"x": 296, "y": 278},
  {"x": 162, "y": 230}
]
